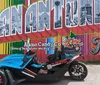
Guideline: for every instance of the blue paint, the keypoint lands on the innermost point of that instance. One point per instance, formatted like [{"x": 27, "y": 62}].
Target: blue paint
[
  {"x": 51, "y": 48},
  {"x": 69, "y": 56},
  {"x": 14, "y": 61},
  {"x": 36, "y": 65}
]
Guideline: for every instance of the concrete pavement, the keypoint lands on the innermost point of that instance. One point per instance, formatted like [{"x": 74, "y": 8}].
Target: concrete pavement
[{"x": 93, "y": 78}]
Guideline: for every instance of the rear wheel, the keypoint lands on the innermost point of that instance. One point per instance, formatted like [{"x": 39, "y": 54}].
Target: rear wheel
[
  {"x": 3, "y": 79},
  {"x": 78, "y": 71}
]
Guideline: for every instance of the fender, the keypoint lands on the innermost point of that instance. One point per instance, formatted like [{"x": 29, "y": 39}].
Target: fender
[
  {"x": 12, "y": 80},
  {"x": 10, "y": 77},
  {"x": 75, "y": 61}
]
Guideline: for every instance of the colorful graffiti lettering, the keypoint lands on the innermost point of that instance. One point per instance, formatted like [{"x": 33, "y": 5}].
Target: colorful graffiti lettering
[{"x": 96, "y": 42}]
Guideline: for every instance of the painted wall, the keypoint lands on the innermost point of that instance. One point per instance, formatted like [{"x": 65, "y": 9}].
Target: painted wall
[
  {"x": 6, "y": 48},
  {"x": 85, "y": 33}
]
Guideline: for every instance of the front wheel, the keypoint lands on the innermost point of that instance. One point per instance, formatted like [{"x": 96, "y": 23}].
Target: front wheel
[
  {"x": 78, "y": 71},
  {"x": 3, "y": 79}
]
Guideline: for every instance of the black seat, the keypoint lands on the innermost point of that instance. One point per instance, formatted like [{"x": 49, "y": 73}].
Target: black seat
[{"x": 55, "y": 56}]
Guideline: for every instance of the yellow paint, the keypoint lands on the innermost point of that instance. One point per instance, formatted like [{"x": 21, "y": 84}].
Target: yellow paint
[
  {"x": 59, "y": 38},
  {"x": 1, "y": 48},
  {"x": 3, "y": 4},
  {"x": 55, "y": 39}
]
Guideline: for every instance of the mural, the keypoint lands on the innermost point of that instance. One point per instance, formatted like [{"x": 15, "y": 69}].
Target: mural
[
  {"x": 97, "y": 11},
  {"x": 50, "y": 21},
  {"x": 96, "y": 42},
  {"x": 85, "y": 11},
  {"x": 72, "y": 20},
  {"x": 58, "y": 4}
]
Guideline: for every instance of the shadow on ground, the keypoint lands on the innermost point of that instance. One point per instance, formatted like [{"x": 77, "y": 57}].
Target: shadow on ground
[{"x": 65, "y": 81}]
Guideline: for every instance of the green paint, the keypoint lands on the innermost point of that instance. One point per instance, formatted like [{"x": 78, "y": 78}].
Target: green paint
[
  {"x": 12, "y": 2},
  {"x": 16, "y": 2},
  {"x": 16, "y": 45},
  {"x": 8, "y": 48},
  {"x": 11, "y": 45},
  {"x": 72, "y": 35},
  {"x": 9, "y": 2}
]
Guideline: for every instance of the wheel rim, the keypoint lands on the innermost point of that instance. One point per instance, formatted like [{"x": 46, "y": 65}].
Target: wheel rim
[
  {"x": 78, "y": 72},
  {"x": 1, "y": 80}
]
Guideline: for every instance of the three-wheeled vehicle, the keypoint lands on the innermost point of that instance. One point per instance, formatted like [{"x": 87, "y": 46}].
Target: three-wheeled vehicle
[{"x": 18, "y": 68}]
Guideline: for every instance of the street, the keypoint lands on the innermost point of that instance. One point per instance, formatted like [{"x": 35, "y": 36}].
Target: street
[{"x": 93, "y": 78}]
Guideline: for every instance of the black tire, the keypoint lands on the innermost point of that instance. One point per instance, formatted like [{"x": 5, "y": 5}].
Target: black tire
[
  {"x": 81, "y": 68},
  {"x": 3, "y": 77}
]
